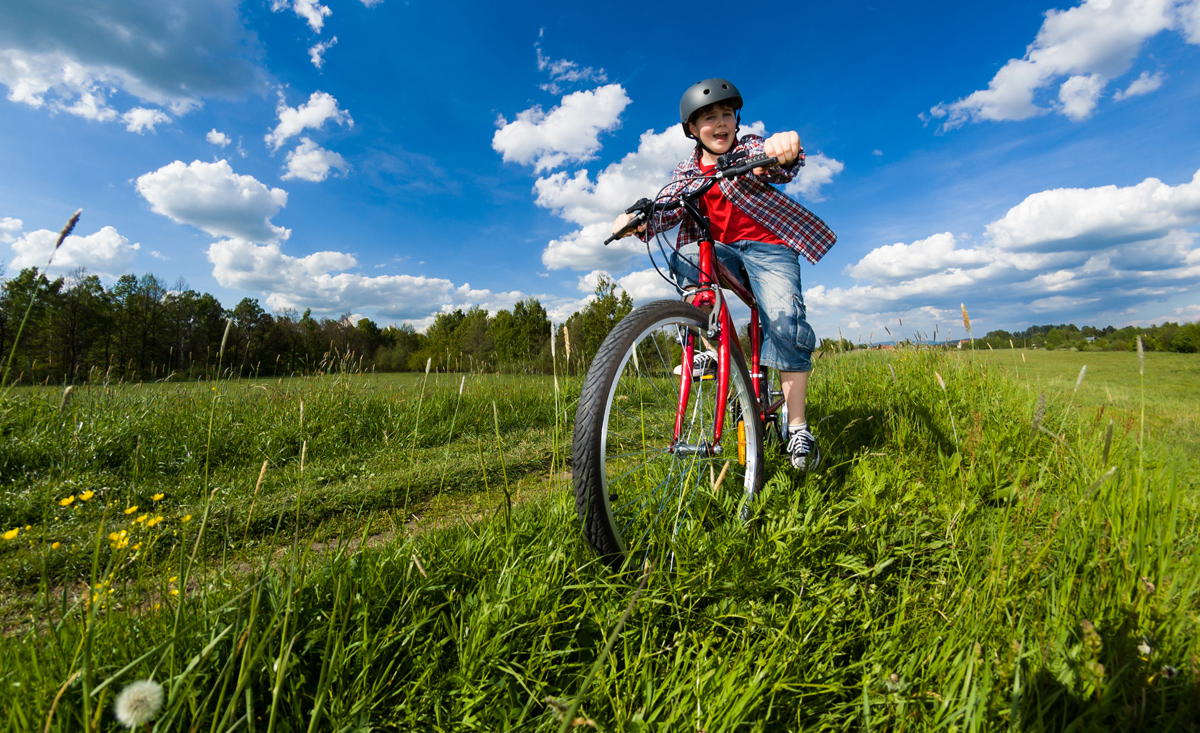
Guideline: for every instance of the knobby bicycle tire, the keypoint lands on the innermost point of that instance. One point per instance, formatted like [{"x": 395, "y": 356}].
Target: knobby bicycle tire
[{"x": 634, "y": 495}]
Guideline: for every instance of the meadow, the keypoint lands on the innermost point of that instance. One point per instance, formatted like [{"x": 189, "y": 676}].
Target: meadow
[{"x": 990, "y": 545}]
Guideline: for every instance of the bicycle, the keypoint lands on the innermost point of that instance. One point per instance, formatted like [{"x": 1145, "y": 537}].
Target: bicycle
[{"x": 649, "y": 457}]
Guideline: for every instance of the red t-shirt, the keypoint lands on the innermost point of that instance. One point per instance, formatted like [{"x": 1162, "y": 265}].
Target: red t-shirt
[{"x": 729, "y": 223}]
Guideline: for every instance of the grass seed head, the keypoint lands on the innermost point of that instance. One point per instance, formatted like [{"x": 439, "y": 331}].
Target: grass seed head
[
  {"x": 1040, "y": 412},
  {"x": 225, "y": 337},
  {"x": 1079, "y": 380},
  {"x": 138, "y": 703},
  {"x": 66, "y": 397},
  {"x": 1141, "y": 357},
  {"x": 966, "y": 318}
]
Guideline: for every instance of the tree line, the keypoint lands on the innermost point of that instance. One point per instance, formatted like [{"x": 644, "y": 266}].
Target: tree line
[
  {"x": 140, "y": 329},
  {"x": 1169, "y": 336}
]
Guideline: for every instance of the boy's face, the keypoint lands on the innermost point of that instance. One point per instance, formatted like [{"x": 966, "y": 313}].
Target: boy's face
[{"x": 715, "y": 127}]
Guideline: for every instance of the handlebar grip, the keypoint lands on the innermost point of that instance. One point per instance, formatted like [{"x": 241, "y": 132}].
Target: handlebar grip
[
  {"x": 629, "y": 228},
  {"x": 747, "y": 165},
  {"x": 640, "y": 205}
]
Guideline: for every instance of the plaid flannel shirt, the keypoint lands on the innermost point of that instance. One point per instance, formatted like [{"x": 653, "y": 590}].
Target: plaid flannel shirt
[{"x": 802, "y": 230}]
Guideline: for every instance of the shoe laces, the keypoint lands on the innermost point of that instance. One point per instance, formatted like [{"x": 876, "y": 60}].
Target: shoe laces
[{"x": 801, "y": 441}]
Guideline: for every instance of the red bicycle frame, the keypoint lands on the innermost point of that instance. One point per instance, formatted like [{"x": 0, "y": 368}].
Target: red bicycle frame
[{"x": 714, "y": 275}]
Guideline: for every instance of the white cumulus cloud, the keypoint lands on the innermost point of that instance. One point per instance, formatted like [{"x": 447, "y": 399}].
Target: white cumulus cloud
[
  {"x": 211, "y": 197},
  {"x": 311, "y": 162},
  {"x": 313, "y": 12},
  {"x": 312, "y": 115},
  {"x": 563, "y": 72},
  {"x": 320, "y": 281},
  {"x": 217, "y": 138},
  {"x": 900, "y": 261},
  {"x": 1090, "y": 44},
  {"x": 642, "y": 285},
  {"x": 1089, "y": 218},
  {"x": 818, "y": 171},
  {"x": 105, "y": 253},
  {"x": 9, "y": 228},
  {"x": 568, "y": 133},
  {"x": 74, "y": 55},
  {"x": 1056, "y": 250},
  {"x": 1189, "y": 20},
  {"x": 140, "y": 119},
  {"x": 317, "y": 52},
  {"x": 1144, "y": 84},
  {"x": 593, "y": 204}
]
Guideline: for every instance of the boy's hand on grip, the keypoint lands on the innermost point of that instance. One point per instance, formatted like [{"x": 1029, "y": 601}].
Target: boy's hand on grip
[
  {"x": 623, "y": 220},
  {"x": 784, "y": 146}
]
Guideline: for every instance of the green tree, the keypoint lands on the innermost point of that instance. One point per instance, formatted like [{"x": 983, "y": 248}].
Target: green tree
[
  {"x": 80, "y": 326},
  {"x": 588, "y": 328}
]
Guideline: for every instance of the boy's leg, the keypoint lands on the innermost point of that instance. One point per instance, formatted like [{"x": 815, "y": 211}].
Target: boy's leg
[
  {"x": 774, "y": 273},
  {"x": 795, "y": 394}
]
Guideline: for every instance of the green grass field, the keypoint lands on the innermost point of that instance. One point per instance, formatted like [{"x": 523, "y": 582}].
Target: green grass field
[
  {"x": 965, "y": 560},
  {"x": 1169, "y": 389}
]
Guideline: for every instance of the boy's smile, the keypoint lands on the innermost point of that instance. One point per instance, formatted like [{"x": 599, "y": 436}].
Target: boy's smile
[{"x": 716, "y": 129}]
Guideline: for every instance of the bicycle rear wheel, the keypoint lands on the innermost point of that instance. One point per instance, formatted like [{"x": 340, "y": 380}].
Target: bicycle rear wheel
[{"x": 637, "y": 493}]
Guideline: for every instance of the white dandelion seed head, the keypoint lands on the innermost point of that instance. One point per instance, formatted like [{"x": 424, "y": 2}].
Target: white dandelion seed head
[{"x": 139, "y": 703}]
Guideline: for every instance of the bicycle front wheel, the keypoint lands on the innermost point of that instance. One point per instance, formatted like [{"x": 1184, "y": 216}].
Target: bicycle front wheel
[{"x": 638, "y": 491}]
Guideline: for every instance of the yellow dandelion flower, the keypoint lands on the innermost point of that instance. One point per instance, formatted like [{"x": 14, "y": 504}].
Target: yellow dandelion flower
[
  {"x": 131, "y": 509},
  {"x": 173, "y": 579},
  {"x": 56, "y": 545},
  {"x": 12, "y": 533},
  {"x": 86, "y": 495},
  {"x": 174, "y": 591},
  {"x": 154, "y": 521},
  {"x": 138, "y": 546},
  {"x": 157, "y": 497},
  {"x": 186, "y": 518},
  {"x": 141, "y": 518},
  {"x": 28, "y": 527},
  {"x": 67, "y": 501}
]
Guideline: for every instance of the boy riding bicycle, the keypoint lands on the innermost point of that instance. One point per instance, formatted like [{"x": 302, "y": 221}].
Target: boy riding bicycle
[{"x": 758, "y": 231}]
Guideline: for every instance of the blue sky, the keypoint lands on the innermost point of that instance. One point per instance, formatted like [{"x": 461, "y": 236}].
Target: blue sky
[{"x": 1037, "y": 163}]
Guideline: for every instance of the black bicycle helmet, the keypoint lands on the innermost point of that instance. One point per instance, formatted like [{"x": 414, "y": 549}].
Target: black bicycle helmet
[{"x": 703, "y": 93}]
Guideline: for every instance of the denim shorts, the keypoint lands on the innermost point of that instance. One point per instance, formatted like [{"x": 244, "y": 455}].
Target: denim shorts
[{"x": 773, "y": 272}]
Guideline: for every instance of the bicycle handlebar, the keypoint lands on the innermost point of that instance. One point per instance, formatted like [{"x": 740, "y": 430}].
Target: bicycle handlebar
[{"x": 727, "y": 168}]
